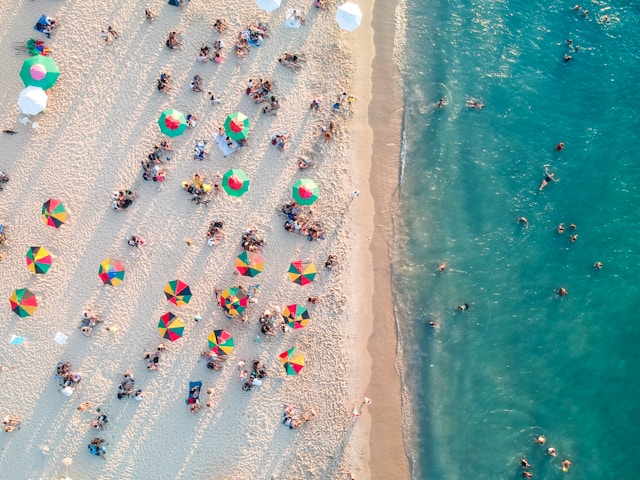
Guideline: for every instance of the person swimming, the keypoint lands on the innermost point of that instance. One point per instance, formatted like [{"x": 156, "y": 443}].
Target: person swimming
[{"x": 548, "y": 178}]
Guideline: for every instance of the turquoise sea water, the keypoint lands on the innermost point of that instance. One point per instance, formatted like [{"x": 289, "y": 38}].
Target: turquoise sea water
[{"x": 521, "y": 361}]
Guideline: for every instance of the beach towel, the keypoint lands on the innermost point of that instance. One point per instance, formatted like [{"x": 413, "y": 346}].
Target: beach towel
[
  {"x": 42, "y": 25},
  {"x": 221, "y": 140},
  {"x": 193, "y": 395},
  {"x": 290, "y": 20},
  {"x": 175, "y": 3}
]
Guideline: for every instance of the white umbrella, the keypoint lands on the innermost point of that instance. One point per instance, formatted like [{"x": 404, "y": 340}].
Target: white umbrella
[
  {"x": 268, "y": 5},
  {"x": 32, "y": 100},
  {"x": 349, "y": 16}
]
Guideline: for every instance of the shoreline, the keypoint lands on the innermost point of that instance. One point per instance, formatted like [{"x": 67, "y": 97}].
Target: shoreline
[{"x": 379, "y": 161}]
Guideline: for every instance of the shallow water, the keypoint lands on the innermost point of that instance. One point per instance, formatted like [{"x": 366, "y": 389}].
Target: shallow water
[{"x": 521, "y": 361}]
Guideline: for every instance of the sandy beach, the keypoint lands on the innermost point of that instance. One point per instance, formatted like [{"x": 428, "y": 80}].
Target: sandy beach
[{"x": 100, "y": 123}]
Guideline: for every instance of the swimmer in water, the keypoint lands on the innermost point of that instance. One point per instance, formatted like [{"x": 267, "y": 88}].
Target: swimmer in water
[
  {"x": 560, "y": 228},
  {"x": 597, "y": 265},
  {"x": 524, "y": 221},
  {"x": 560, "y": 146},
  {"x": 551, "y": 451},
  {"x": 573, "y": 226},
  {"x": 524, "y": 463},
  {"x": 541, "y": 439},
  {"x": 442, "y": 103},
  {"x": 463, "y": 307},
  {"x": 567, "y": 57},
  {"x": 473, "y": 103},
  {"x": 574, "y": 238},
  {"x": 566, "y": 465},
  {"x": 442, "y": 267},
  {"x": 526, "y": 474},
  {"x": 434, "y": 325},
  {"x": 548, "y": 178},
  {"x": 562, "y": 292}
]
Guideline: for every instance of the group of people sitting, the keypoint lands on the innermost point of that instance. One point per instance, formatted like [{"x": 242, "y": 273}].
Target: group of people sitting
[
  {"x": 332, "y": 262},
  {"x": 257, "y": 375},
  {"x": 153, "y": 358},
  {"x": 206, "y": 54},
  {"x": 253, "y": 35},
  {"x": 196, "y": 84},
  {"x": 46, "y": 25},
  {"x": 215, "y": 233},
  {"x": 198, "y": 189},
  {"x": 295, "y": 417},
  {"x": 100, "y": 423},
  {"x": 164, "y": 82},
  {"x": 259, "y": 90},
  {"x": 299, "y": 221},
  {"x": 68, "y": 379},
  {"x": 279, "y": 140},
  {"x": 199, "y": 151},
  {"x": 96, "y": 447},
  {"x": 126, "y": 387},
  {"x": 272, "y": 108},
  {"x": 252, "y": 241},
  {"x": 173, "y": 41},
  {"x": 89, "y": 322},
  {"x": 123, "y": 199},
  {"x": 270, "y": 322},
  {"x": 219, "y": 26},
  {"x": 293, "y": 61}
]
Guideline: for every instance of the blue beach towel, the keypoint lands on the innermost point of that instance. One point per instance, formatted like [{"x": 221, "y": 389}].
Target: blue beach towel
[{"x": 194, "y": 392}]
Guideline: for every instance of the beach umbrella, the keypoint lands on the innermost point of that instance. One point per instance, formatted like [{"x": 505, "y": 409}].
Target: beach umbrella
[
  {"x": 235, "y": 182},
  {"x": 234, "y": 301},
  {"x": 268, "y": 5},
  {"x": 249, "y": 264},
  {"x": 237, "y": 126},
  {"x": 349, "y": 16},
  {"x": 38, "y": 259},
  {"x": 32, "y": 100},
  {"x": 171, "y": 327},
  {"x": 54, "y": 213},
  {"x": 296, "y": 316},
  {"x": 23, "y": 302},
  {"x": 172, "y": 123},
  {"x": 291, "y": 361},
  {"x": 39, "y": 71},
  {"x": 178, "y": 292},
  {"x": 302, "y": 273},
  {"x": 305, "y": 191},
  {"x": 221, "y": 342},
  {"x": 111, "y": 272}
]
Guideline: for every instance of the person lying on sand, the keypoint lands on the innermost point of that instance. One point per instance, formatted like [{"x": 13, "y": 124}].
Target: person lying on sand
[{"x": 12, "y": 423}]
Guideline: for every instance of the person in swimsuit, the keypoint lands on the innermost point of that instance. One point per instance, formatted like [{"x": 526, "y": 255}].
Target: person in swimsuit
[{"x": 548, "y": 178}]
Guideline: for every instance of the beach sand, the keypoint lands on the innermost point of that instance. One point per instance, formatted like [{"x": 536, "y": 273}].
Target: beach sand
[{"x": 100, "y": 123}]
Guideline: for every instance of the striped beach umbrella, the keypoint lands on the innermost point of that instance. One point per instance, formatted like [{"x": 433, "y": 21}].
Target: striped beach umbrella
[
  {"x": 305, "y": 191},
  {"x": 23, "y": 302},
  {"x": 178, "y": 292},
  {"x": 39, "y": 71},
  {"x": 292, "y": 362},
  {"x": 296, "y": 316},
  {"x": 221, "y": 342},
  {"x": 171, "y": 327},
  {"x": 111, "y": 272},
  {"x": 249, "y": 264},
  {"x": 236, "y": 126},
  {"x": 172, "y": 123},
  {"x": 38, "y": 260},
  {"x": 235, "y": 182},
  {"x": 302, "y": 273},
  {"x": 234, "y": 301},
  {"x": 54, "y": 213}
]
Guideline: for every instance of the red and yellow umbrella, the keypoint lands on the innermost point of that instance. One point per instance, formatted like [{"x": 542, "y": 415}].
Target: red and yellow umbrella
[
  {"x": 234, "y": 301},
  {"x": 221, "y": 342},
  {"x": 111, "y": 272},
  {"x": 54, "y": 213},
  {"x": 292, "y": 362},
  {"x": 23, "y": 302},
  {"x": 171, "y": 327},
  {"x": 249, "y": 264},
  {"x": 296, "y": 316},
  {"x": 302, "y": 273},
  {"x": 178, "y": 292},
  {"x": 38, "y": 260}
]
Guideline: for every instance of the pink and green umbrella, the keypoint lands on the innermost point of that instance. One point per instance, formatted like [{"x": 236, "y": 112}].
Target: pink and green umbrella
[
  {"x": 235, "y": 182},
  {"x": 296, "y": 316},
  {"x": 249, "y": 264},
  {"x": 172, "y": 123},
  {"x": 111, "y": 272},
  {"x": 54, "y": 213},
  {"x": 38, "y": 260},
  {"x": 234, "y": 301},
  {"x": 237, "y": 126},
  {"x": 39, "y": 71},
  {"x": 305, "y": 191},
  {"x": 302, "y": 273},
  {"x": 221, "y": 342}
]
